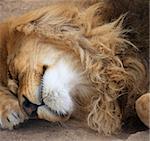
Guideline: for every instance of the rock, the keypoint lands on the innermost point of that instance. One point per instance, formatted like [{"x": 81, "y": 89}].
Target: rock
[{"x": 139, "y": 136}]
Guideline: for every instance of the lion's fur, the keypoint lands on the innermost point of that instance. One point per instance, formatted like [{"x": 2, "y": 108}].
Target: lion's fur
[{"x": 111, "y": 62}]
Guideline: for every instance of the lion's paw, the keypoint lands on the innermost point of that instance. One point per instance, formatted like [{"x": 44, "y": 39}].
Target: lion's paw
[{"x": 10, "y": 114}]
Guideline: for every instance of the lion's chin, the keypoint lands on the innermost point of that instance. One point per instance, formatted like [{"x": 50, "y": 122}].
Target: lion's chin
[{"x": 44, "y": 112}]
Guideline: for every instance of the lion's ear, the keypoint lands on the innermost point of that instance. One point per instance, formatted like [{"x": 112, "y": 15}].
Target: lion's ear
[
  {"x": 3, "y": 53},
  {"x": 34, "y": 17},
  {"x": 49, "y": 18},
  {"x": 21, "y": 24}
]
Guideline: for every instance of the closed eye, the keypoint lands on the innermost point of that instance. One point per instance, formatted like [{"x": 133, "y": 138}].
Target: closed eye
[
  {"x": 9, "y": 75},
  {"x": 12, "y": 78}
]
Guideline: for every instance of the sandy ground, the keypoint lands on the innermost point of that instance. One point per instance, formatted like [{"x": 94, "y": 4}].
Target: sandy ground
[{"x": 44, "y": 131}]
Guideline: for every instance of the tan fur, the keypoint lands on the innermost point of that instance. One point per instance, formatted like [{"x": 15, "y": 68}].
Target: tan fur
[{"x": 100, "y": 47}]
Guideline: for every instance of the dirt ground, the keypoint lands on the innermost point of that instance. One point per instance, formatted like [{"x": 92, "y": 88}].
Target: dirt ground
[{"x": 44, "y": 131}]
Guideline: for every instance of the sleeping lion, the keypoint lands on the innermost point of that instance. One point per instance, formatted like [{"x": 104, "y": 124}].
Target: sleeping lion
[{"x": 71, "y": 59}]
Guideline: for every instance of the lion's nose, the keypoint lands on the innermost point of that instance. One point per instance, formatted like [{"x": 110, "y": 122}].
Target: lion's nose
[{"x": 30, "y": 108}]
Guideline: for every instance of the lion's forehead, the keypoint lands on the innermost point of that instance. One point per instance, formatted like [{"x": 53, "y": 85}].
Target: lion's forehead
[{"x": 33, "y": 55}]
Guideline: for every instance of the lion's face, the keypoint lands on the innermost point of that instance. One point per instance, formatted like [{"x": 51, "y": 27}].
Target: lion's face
[{"x": 45, "y": 76}]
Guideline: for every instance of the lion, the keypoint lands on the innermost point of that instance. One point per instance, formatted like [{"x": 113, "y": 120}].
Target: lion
[{"x": 68, "y": 59}]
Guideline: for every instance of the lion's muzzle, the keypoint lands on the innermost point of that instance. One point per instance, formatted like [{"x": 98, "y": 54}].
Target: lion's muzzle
[{"x": 30, "y": 108}]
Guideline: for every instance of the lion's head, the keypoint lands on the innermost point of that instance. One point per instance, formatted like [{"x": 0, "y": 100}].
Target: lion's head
[{"x": 66, "y": 56}]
